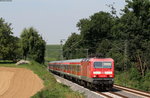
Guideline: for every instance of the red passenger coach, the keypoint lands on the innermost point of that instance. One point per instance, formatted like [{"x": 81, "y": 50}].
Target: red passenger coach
[{"x": 92, "y": 72}]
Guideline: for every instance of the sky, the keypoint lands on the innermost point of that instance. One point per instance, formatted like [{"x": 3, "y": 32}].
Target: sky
[{"x": 53, "y": 19}]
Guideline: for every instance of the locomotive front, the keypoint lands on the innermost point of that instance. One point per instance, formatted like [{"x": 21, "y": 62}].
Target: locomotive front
[{"x": 103, "y": 72}]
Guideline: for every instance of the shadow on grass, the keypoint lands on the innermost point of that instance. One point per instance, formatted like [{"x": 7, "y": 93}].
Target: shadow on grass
[{"x": 7, "y": 62}]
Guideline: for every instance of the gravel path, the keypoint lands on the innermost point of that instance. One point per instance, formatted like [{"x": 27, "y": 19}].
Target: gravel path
[
  {"x": 18, "y": 83},
  {"x": 76, "y": 87}
]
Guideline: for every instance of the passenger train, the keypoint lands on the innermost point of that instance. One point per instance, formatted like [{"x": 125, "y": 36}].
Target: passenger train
[{"x": 97, "y": 73}]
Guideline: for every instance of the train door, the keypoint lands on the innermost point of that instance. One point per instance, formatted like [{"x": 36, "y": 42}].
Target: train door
[
  {"x": 83, "y": 68},
  {"x": 88, "y": 69}
]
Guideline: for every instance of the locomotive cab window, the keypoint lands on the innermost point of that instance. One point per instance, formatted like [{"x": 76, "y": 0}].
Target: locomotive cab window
[
  {"x": 102, "y": 65},
  {"x": 98, "y": 65},
  {"x": 107, "y": 64}
]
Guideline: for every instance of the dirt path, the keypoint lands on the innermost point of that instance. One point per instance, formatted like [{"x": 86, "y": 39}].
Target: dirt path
[{"x": 18, "y": 83}]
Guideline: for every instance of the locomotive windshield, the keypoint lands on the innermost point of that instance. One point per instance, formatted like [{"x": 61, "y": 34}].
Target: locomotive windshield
[{"x": 102, "y": 65}]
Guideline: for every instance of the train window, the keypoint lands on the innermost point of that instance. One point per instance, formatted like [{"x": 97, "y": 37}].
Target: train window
[
  {"x": 78, "y": 68},
  {"x": 73, "y": 67},
  {"x": 58, "y": 66},
  {"x": 61, "y": 67},
  {"x": 102, "y": 65},
  {"x": 98, "y": 65},
  {"x": 65, "y": 67},
  {"x": 106, "y": 64},
  {"x": 55, "y": 66},
  {"x": 70, "y": 67}
]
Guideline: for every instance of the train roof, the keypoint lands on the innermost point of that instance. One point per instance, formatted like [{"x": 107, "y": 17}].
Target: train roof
[
  {"x": 78, "y": 60},
  {"x": 68, "y": 61}
]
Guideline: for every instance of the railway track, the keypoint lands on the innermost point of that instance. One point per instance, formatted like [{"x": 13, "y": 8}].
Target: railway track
[
  {"x": 116, "y": 92},
  {"x": 133, "y": 91},
  {"x": 111, "y": 95}
]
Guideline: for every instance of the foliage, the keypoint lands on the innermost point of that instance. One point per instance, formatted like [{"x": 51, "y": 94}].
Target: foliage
[
  {"x": 104, "y": 47},
  {"x": 126, "y": 39},
  {"x": 32, "y": 45},
  {"x": 52, "y": 52},
  {"x": 9, "y": 45},
  {"x": 133, "y": 79},
  {"x": 95, "y": 29},
  {"x": 71, "y": 46},
  {"x": 136, "y": 26}
]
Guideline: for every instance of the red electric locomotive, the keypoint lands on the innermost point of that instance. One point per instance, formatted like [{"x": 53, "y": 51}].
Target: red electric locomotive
[{"x": 92, "y": 72}]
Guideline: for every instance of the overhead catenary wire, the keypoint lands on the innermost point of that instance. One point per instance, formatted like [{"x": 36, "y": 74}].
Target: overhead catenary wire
[{"x": 87, "y": 49}]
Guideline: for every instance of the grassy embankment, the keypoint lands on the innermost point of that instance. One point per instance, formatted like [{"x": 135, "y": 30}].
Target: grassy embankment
[{"x": 52, "y": 89}]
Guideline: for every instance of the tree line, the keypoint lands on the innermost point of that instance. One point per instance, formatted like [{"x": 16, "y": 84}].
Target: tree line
[
  {"x": 125, "y": 38},
  {"x": 30, "y": 45}
]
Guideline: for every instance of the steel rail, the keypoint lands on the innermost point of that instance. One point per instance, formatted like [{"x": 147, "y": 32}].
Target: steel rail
[
  {"x": 147, "y": 93},
  {"x": 133, "y": 91}
]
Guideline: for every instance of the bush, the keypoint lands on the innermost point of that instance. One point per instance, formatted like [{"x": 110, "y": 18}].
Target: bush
[{"x": 133, "y": 79}]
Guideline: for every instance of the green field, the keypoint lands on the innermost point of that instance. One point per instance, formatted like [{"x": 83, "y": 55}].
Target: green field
[{"x": 52, "y": 53}]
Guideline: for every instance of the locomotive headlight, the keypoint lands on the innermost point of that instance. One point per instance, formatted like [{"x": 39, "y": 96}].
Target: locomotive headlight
[
  {"x": 96, "y": 72},
  {"x": 110, "y": 75},
  {"x": 108, "y": 72}
]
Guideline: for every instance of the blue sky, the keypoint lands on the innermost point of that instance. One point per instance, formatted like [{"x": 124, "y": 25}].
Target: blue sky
[{"x": 54, "y": 19}]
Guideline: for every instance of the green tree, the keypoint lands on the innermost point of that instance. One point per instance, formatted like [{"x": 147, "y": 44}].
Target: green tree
[
  {"x": 8, "y": 43},
  {"x": 126, "y": 39},
  {"x": 136, "y": 28},
  {"x": 95, "y": 29},
  {"x": 71, "y": 46},
  {"x": 32, "y": 45},
  {"x": 104, "y": 47}
]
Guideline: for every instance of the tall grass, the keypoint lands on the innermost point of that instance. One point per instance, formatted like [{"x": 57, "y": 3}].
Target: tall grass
[{"x": 132, "y": 79}]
